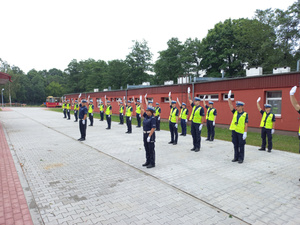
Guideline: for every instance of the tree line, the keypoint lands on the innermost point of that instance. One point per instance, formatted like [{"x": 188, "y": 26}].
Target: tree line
[{"x": 270, "y": 39}]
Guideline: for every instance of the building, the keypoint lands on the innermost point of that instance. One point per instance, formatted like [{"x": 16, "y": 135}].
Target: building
[{"x": 273, "y": 89}]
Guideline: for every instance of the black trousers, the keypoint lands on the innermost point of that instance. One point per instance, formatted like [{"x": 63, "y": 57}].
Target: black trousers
[
  {"x": 65, "y": 113},
  {"x": 196, "y": 134},
  {"x": 173, "y": 131},
  {"x": 68, "y": 112},
  {"x": 101, "y": 116},
  {"x": 76, "y": 115},
  {"x": 108, "y": 119},
  {"x": 128, "y": 123},
  {"x": 239, "y": 145},
  {"x": 121, "y": 118},
  {"x": 210, "y": 130},
  {"x": 82, "y": 128},
  {"x": 138, "y": 118},
  {"x": 183, "y": 126},
  {"x": 149, "y": 148},
  {"x": 91, "y": 118},
  {"x": 266, "y": 133},
  {"x": 157, "y": 123}
]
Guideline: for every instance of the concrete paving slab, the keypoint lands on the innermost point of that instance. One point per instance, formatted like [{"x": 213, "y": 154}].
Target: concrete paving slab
[{"x": 101, "y": 180}]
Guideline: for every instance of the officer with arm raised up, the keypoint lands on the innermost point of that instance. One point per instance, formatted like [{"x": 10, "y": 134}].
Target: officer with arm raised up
[
  {"x": 101, "y": 109},
  {"x": 239, "y": 127},
  {"x": 137, "y": 112},
  {"x": 108, "y": 113},
  {"x": 82, "y": 119},
  {"x": 91, "y": 112},
  {"x": 211, "y": 116},
  {"x": 197, "y": 117},
  {"x": 173, "y": 121},
  {"x": 267, "y": 125},
  {"x": 76, "y": 108},
  {"x": 121, "y": 111},
  {"x": 157, "y": 116},
  {"x": 128, "y": 117},
  {"x": 184, "y": 112}
]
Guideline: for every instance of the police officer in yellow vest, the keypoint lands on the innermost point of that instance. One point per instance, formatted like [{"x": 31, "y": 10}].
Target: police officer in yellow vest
[
  {"x": 128, "y": 117},
  {"x": 173, "y": 121},
  {"x": 296, "y": 106},
  {"x": 101, "y": 109},
  {"x": 121, "y": 111},
  {"x": 267, "y": 125},
  {"x": 239, "y": 127},
  {"x": 184, "y": 112},
  {"x": 68, "y": 109},
  {"x": 91, "y": 112},
  {"x": 138, "y": 112},
  {"x": 64, "y": 107},
  {"x": 197, "y": 117},
  {"x": 108, "y": 113},
  {"x": 157, "y": 116},
  {"x": 211, "y": 116},
  {"x": 76, "y": 108}
]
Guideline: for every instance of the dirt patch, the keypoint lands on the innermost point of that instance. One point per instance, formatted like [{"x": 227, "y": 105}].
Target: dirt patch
[{"x": 52, "y": 166}]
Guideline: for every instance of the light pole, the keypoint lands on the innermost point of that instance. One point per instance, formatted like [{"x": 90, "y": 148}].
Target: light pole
[{"x": 2, "y": 96}]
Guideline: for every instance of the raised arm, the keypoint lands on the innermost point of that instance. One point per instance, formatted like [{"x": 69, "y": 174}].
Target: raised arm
[
  {"x": 178, "y": 102},
  {"x": 170, "y": 99},
  {"x": 204, "y": 100},
  {"x": 146, "y": 101},
  {"x": 257, "y": 103},
  {"x": 293, "y": 98},
  {"x": 189, "y": 95},
  {"x": 229, "y": 101},
  {"x": 105, "y": 103}
]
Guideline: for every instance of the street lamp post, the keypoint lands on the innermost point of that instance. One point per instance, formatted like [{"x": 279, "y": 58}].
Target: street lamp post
[{"x": 2, "y": 96}]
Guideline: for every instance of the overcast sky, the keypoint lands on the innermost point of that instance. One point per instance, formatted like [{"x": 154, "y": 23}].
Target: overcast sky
[{"x": 44, "y": 34}]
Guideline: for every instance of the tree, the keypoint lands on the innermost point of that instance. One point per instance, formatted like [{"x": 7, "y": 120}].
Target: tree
[
  {"x": 139, "y": 62},
  {"x": 117, "y": 73},
  {"x": 54, "y": 89},
  {"x": 191, "y": 56}
]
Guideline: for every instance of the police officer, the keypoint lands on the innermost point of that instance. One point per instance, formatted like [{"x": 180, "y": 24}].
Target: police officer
[
  {"x": 76, "y": 108},
  {"x": 108, "y": 113},
  {"x": 138, "y": 112},
  {"x": 197, "y": 117},
  {"x": 296, "y": 106},
  {"x": 267, "y": 125},
  {"x": 64, "y": 107},
  {"x": 68, "y": 108},
  {"x": 239, "y": 127},
  {"x": 173, "y": 121},
  {"x": 157, "y": 116},
  {"x": 121, "y": 111},
  {"x": 82, "y": 120},
  {"x": 184, "y": 112},
  {"x": 101, "y": 109},
  {"x": 91, "y": 112},
  {"x": 149, "y": 125},
  {"x": 128, "y": 117},
  {"x": 211, "y": 116}
]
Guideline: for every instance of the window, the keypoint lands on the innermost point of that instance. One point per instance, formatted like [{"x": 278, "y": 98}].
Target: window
[
  {"x": 274, "y": 98},
  {"x": 165, "y": 100},
  {"x": 211, "y": 97},
  {"x": 150, "y": 99},
  {"x": 225, "y": 97}
]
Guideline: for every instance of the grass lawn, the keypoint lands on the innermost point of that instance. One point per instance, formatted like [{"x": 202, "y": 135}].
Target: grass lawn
[{"x": 280, "y": 142}]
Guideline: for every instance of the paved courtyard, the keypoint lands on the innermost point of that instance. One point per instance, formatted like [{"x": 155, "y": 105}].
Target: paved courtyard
[{"x": 102, "y": 181}]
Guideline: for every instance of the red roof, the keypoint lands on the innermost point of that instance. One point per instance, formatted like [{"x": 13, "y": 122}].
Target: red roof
[{"x": 4, "y": 78}]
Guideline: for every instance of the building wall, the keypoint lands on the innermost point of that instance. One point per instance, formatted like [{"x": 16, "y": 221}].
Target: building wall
[{"x": 244, "y": 89}]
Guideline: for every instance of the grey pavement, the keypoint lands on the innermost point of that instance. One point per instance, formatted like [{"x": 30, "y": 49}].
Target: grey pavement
[{"x": 102, "y": 181}]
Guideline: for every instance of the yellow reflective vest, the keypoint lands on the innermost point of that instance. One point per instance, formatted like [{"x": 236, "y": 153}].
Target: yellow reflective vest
[
  {"x": 210, "y": 116},
  {"x": 68, "y": 106},
  {"x": 183, "y": 114},
  {"x": 138, "y": 109},
  {"x": 267, "y": 122},
  {"x": 121, "y": 110},
  {"x": 172, "y": 116},
  {"x": 128, "y": 111},
  {"x": 195, "y": 115},
  {"x": 157, "y": 113},
  {"x": 76, "y": 107},
  {"x": 91, "y": 108},
  {"x": 108, "y": 110},
  {"x": 101, "y": 107},
  {"x": 239, "y": 126}
]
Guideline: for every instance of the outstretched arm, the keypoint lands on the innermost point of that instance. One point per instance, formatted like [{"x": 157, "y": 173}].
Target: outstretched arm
[
  {"x": 229, "y": 101},
  {"x": 170, "y": 99},
  {"x": 257, "y": 103},
  {"x": 178, "y": 102},
  {"x": 189, "y": 95}
]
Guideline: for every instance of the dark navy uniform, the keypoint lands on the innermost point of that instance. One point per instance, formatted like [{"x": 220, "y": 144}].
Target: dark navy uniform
[
  {"x": 121, "y": 111},
  {"x": 91, "y": 113},
  {"x": 266, "y": 132},
  {"x": 184, "y": 112},
  {"x": 149, "y": 123},
  {"x": 82, "y": 111},
  {"x": 210, "y": 123},
  {"x": 173, "y": 125},
  {"x": 195, "y": 127}
]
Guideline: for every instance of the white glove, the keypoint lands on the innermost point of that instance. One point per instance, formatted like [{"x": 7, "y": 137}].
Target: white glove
[
  {"x": 133, "y": 98},
  {"x": 148, "y": 139},
  {"x": 159, "y": 118},
  {"x": 146, "y": 95},
  {"x": 108, "y": 115},
  {"x": 92, "y": 114},
  {"x": 177, "y": 100},
  {"x": 130, "y": 118},
  {"x": 204, "y": 97},
  {"x": 124, "y": 97},
  {"x": 229, "y": 94},
  {"x": 293, "y": 90},
  {"x": 141, "y": 99},
  {"x": 189, "y": 90},
  {"x": 68, "y": 110},
  {"x": 214, "y": 123},
  {"x": 244, "y": 135},
  {"x": 83, "y": 122},
  {"x": 140, "y": 115},
  {"x": 186, "y": 120},
  {"x": 169, "y": 94},
  {"x": 258, "y": 99},
  {"x": 200, "y": 127},
  {"x": 176, "y": 125},
  {"x": 272, "y": 131},
  {"x": 105, "y": 97}
]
